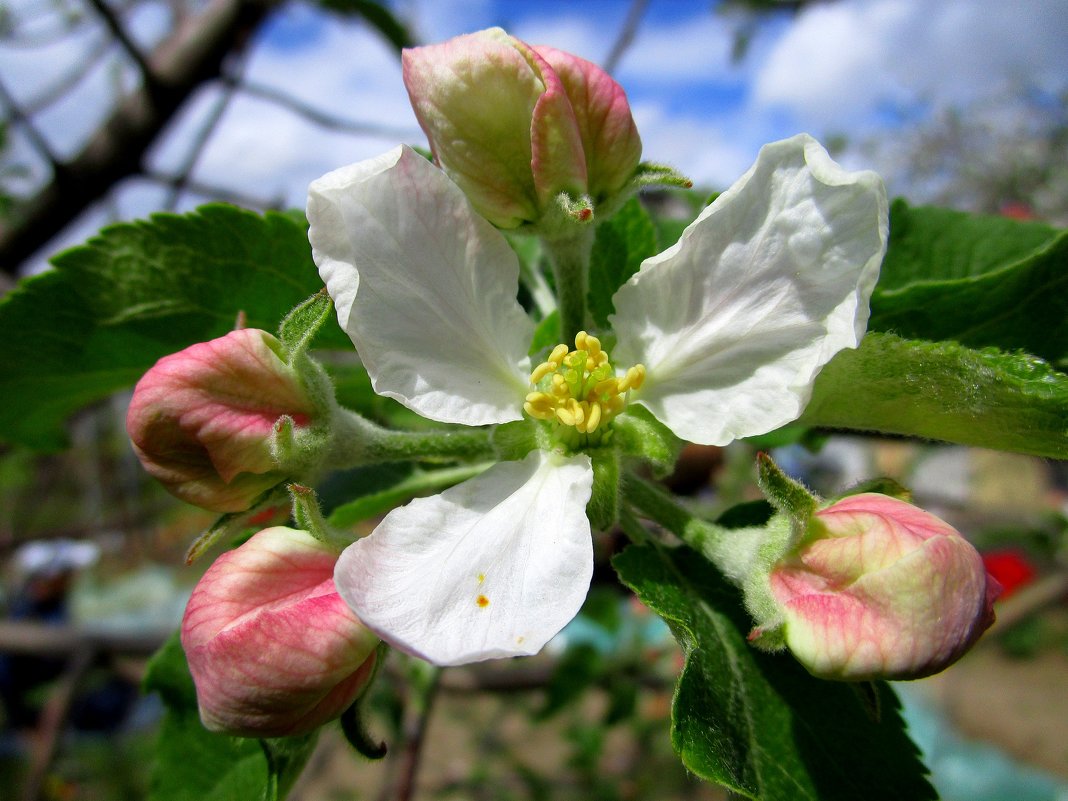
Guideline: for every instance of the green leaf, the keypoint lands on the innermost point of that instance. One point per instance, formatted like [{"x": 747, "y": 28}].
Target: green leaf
[
  {"x": 420, "y": 482},
  {"x": 756, "y": 722},
  {"x": 979, "y": 280},
  {"x": 622, "y": 243},
  {"x": 942, "y": 390},
  {"x": 193, "y": 764},
  {"x": 137, "y": 292}
]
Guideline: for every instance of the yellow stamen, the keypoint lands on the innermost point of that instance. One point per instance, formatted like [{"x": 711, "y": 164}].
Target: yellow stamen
[
  {"x": 579, "y": 388},
  {"x": 543, "y": 370}
]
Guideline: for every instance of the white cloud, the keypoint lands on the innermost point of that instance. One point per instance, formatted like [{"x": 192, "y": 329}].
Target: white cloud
[{"x": 841, "y": 63}]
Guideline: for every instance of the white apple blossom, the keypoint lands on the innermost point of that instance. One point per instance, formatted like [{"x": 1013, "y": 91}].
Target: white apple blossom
[{"x": 725, "y": 333}]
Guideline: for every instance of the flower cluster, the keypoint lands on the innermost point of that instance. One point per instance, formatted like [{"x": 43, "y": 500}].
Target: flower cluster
[{"x": 719, "y": 337}]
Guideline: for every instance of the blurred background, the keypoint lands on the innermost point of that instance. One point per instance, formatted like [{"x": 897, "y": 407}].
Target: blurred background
[{"x": 115, "y": 109}]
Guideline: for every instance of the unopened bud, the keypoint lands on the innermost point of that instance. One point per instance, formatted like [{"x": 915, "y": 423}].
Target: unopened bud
[
  {"x": 201, "y": 420},
  {"x": 879, "y": 588},
  {"x": 273, "y": 649},
  {"x": 515, "y": 126}
]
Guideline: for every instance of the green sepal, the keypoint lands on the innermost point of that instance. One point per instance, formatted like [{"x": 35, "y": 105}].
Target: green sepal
[
  {"x": 638, "y": 434},
  {"x": 565, "y": 218},
  {"x": 603, "y": 507},
  {"x": 883, "y": 486},
  {"x": 788, "y": 496},
  {"x": 309, "y": 517},
  {"x": 512, "y": 441},
  {"x": 235, "y": 524},
  {"x": 353, "y": 725},
  {"x": 651, "y": 174},
  {"x": 298, "y": 450},
  {"x": 300, "y": 326}
]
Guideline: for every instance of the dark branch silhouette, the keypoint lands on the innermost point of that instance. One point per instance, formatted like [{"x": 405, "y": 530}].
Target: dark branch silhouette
[{"x": 192, "y": 55}]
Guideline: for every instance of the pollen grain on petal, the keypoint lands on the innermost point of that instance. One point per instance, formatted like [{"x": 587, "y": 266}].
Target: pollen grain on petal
[{"x": 482, "y": 601}]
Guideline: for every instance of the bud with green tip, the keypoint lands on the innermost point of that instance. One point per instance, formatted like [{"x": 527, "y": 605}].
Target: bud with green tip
[
  {"x": 878, "y": 588},
  {"x": 201, "y": 420},
  {"x": 517, "y": 126},
  {"x": 273, "y": 649}
]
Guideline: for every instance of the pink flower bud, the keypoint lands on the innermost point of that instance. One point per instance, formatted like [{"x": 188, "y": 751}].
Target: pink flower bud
[
  {"x": 200, "y": 420},
  {"x": 515, "y": 125},
  {"x": 882, "y": 589},
  {"x": 273, "y": 649}
]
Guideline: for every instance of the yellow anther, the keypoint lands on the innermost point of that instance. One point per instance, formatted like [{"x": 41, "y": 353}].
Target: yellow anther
[
  {"x": 594, "y": 418},
  {"x": 634, "y": 378},
  {"x": 606, "y": 387},
  {"x": 582, "y": 391},
  {"x": 578, "y": 411},
  {"x": 559, "y": 387},
  {"x": 639, "y": 371},
  {"x": 543, "y": 370}
]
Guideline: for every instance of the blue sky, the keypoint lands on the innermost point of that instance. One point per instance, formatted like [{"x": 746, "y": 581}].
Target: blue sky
[{"x": 857, "y": 68}]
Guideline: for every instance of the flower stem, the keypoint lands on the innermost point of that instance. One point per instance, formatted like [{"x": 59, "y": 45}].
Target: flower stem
[
  {"x": 358, "y": 441},
  {"x": 733, "y": 551},
  {"x": 571, "y": 267}
]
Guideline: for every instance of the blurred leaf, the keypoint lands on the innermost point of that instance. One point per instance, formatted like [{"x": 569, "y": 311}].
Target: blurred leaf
[
  {"x": 134, "y": 293},
  {"x": 378, "y": 16},
  {"x": 979, "y": 280},
  {"x": 756, "y": 722},
  {"x": 419, "y": 482},
  {"x": 576, "y": 671},
  {"x": 622, "y": 243},
  {"x": 193, "y": 764},
  {"x": 942, "y": 390}
]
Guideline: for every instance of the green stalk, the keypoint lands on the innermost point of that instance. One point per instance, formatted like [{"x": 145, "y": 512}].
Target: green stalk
[
  {"x": 358, "y": 441},
  {"x": 733, "y": 551},
  {"x": 571, "y": 268}
]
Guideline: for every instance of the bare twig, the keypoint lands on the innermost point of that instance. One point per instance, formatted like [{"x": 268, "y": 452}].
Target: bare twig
[
  {"x": 200, "y": 140},
  {"x": 192, "y": 55},
  {"x": 626, "y": 35},
  {"x": 214, "y": 191},
  {"x": 114, "y": 25},
  {"x": 20, "y": 118},
  {"x": 415, "y": 735},
  {"x": 62, "y": 87},
  {"x": 1030, "y": 599},
  {"x": 53, "y": 721},
  {"x": 327, "y": 120},
  {"x": 41, "y": 639}
]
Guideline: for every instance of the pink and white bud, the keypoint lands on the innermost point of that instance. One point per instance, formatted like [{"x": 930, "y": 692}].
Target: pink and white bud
[
  {"x": 514, "y": 125},
  {"x": 881, "y": 589},
  {"x": 273, "y": 649},
  {"x": 201, "y": 419}
]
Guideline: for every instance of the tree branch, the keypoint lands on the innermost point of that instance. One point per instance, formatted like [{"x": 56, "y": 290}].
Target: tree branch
[
  {"x": 192, "y": 55},
  {"x": 111, "y": 20}
]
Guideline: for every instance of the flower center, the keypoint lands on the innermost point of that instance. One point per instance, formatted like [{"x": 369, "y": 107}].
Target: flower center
[{"x": 579, "y": 389}]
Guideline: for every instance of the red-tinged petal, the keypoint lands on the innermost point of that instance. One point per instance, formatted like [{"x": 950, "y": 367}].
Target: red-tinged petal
[{"x": 272, "y": 647}]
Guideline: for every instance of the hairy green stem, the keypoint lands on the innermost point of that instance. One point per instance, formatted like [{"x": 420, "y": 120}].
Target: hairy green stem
[
  {"x": 571, "y": 268},
  {"x": 358, "y": 441},
  {"x": 733, "y": 551}
]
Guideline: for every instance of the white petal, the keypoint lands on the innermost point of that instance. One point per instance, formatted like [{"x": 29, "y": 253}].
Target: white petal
[
  {"x": 734, "y": 322},
  {"x": 493, "y": 567},
  {"x": 425, "y": 288}
]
